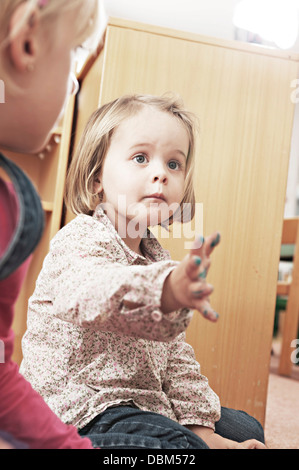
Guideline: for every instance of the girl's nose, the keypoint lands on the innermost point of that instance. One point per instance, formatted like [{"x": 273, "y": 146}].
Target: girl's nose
[
  {"x": 159, "y": 175},
  {"x": 160, "y": 179}
]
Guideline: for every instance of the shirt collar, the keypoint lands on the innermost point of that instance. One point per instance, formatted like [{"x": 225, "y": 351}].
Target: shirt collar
[{"x": 150, "y": 245}]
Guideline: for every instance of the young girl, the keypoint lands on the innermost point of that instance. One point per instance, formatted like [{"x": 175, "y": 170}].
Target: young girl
[
  {"x": 107, "y": 290},
  {"x": 37, "y": 40}
]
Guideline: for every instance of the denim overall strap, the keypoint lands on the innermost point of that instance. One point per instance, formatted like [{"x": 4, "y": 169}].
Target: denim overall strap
[{"x": 30, "y": 225}]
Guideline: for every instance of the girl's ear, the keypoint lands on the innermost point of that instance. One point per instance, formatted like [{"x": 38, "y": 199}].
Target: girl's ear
[{"x": 24, "y": 42}]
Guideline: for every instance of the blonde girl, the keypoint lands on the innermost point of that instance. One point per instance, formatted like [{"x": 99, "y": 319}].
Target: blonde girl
[
  {"x": 83, "y": 194},
  {"x": 105, "y": 344},
  {"x": 37, "y": 42}
]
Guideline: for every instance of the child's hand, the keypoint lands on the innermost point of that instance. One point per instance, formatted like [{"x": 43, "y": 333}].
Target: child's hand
[
  {"x": 215, "y": 441},
  {"x": 186, "y": 286}
]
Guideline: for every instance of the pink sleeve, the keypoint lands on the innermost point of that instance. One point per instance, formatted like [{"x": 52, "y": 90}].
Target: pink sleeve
[{"x": 25, "y": 415}]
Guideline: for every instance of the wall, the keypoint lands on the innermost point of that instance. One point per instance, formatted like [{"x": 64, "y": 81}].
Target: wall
[{"x": 207, "y": 17}]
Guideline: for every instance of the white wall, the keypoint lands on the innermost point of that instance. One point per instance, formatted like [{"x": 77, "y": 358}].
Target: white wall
[{"x": 207, "y": 17}]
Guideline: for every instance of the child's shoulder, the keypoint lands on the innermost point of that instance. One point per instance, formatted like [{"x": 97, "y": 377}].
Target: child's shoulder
[
  {"x": 85, "y": 233},
  {"x": 80, "y": 224},
  {"x": 82, "y": 229}
]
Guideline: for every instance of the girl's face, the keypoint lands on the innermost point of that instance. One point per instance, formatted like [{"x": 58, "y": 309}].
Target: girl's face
[{"x": 144, "y": 169}]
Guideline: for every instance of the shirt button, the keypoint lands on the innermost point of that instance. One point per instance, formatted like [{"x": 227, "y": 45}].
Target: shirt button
[{"x": 156, "y": 315}]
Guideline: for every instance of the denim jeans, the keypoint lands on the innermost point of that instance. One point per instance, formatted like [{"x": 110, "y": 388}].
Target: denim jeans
[{"x": 127, "y": 427}]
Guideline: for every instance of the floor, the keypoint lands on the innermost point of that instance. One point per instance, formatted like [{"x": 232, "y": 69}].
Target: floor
[{"x": 282, "y": 410}]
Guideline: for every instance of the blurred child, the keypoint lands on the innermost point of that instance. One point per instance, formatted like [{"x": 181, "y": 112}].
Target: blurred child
[{"x": 37, "y": 40}]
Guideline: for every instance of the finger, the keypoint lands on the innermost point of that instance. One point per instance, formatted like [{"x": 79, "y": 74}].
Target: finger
[
  {"x": 198, "y": 247},
  {"x": 210, "y": 315},
  {"x": 204, "y": 247},
  {"x": 207, "y": 312},
  {"x": 212, "y": 242},
  {"x": 253, "y": 444},
  {"x": 192, "y": 266},
  {"x": 203, "y": 271},
  {"x": 200, "y": 290},
  {"x": 196, "y": 269}
]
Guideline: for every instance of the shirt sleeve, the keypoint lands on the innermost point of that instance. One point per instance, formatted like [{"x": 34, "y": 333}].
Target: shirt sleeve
[
  {"x": 23, "y": 412},
  {"x": 192, "y": 399},
  {"x": 89, "y": 288},
  {"x": 25, "y": 415}
]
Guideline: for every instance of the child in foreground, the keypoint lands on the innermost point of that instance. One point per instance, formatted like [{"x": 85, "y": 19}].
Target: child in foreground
[
  {"x": 105, "y": 344},
  {"x": 37, "y": 41}
]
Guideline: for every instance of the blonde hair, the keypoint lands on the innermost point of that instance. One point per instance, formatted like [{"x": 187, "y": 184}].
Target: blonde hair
[
  {"x": 85, "y": 25},
  {"x": 88, "y": 160}
]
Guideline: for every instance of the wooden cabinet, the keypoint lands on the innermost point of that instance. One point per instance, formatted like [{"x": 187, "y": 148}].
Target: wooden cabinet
[
  {"x": 47, "y": 171},
  {"x": 242, "y": 97}
]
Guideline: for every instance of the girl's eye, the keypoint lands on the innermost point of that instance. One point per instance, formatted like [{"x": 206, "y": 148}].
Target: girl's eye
[
  {"x": 174, "y": 165},
  {"x": 140, "y": 158}
]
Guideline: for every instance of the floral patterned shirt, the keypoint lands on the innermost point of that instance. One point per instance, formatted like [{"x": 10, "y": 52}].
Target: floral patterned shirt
[{"x": 85, "y": 351}]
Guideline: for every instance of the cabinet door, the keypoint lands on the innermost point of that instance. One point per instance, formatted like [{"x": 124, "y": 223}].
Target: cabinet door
[{"x": 241, "y": 95}]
